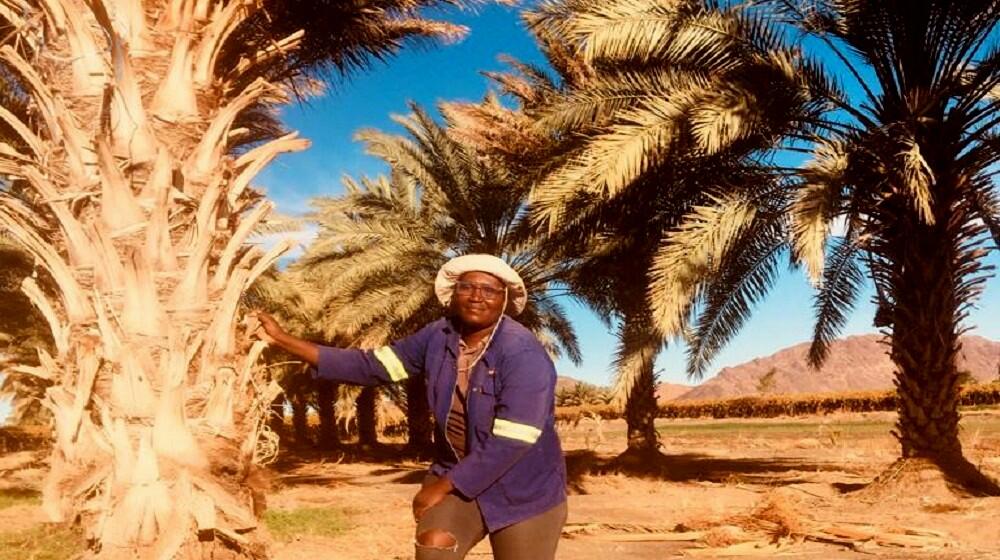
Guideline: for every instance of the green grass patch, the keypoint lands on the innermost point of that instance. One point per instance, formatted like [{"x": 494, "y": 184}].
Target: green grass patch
[
  {"x": 47, "y": 542},
  {"x": 18, "y": 497},
  {"x": 315, "y": 522}
]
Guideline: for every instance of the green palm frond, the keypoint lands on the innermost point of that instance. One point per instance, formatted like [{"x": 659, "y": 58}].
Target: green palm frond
[
  {"x": 341, "y": 37},
  {"x": 918, "y": 179},
  {"x": 723, "y": 118},
  {"x": 380, "y": 245},
  {"x": 547, "y": 316},
  {"x": 817, "y": 202},
  {"x": 607, "y": 95},
  {"x": 638, "y": 142},
  {"x": 985, "y": 202},
  {"x": 637, "y": 348},
  {"x": 648, "y": 21},
  {"x": 837, "y": 295},
  {"x": 692, "y": 255},
  {"x": 746, "y": 275}
]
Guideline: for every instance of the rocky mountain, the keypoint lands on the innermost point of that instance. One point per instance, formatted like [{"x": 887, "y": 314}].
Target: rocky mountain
[
  {"x": 671, "y": 391},
  {"x": 664, "y": 391},
  {"x": 856, "y": 363},
  {"x": 566, "y": 383}
]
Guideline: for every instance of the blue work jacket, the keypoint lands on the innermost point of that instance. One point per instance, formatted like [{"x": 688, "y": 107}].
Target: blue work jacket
[{"x": 514, "y": 466}]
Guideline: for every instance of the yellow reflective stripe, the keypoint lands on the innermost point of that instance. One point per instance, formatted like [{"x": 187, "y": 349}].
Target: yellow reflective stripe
[
  {"x": 513, "y": 430},
  {"x": 391, "y": 363}
]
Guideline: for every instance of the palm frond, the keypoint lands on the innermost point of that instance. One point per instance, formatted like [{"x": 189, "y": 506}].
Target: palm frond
[
  {"x": 918, "y": 180},
  {"x": 836, "y": 297},
  {"x": 691, "y": 255},
  {"x": 636, "y": 351},
  {"x": 749, "y": 271},
  {"x": 816, "y": 204},
  {"x": 985, "y": 203}
]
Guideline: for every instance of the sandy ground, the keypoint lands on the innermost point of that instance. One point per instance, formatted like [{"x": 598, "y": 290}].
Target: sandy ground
[
  {"x": 724, "y": 489},
  {"x": 721, "y": 487}
]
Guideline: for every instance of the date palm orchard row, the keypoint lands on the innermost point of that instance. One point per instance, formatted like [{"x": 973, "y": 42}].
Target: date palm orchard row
[{"x": 650, "y": 151}]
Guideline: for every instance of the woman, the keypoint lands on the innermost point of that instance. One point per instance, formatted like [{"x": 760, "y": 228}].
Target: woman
[{"x": 499, "y": 469}]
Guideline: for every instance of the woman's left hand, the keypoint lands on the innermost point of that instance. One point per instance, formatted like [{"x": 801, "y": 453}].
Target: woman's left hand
[{"x": 430, "y": 496}]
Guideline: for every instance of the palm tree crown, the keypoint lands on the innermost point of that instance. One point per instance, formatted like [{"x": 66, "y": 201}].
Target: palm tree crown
[{"x": 380, "y": 246}]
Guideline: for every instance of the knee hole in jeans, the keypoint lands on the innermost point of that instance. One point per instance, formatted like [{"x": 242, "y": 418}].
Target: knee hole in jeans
[{"x": 437, "y": 538}]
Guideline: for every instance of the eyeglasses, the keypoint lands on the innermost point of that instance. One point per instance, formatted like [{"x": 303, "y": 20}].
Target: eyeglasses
[{"x": 487, "y": 292}]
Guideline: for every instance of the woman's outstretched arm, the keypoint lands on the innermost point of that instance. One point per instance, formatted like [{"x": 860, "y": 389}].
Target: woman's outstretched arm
[
  {"x": 270, "y": 331},
  {"x": 391, "y": 363}
]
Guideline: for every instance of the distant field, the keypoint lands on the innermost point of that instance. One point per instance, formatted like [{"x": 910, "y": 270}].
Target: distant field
[
  {"x": 830, "y": 435},
  {"x": 874, "y": 424},
  {"x": 974, "y": 397}
]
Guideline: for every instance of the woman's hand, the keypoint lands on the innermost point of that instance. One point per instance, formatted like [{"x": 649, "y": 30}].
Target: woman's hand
[
  {"x": 264, "y": 327},
  {"x": 430, "y": 496}
]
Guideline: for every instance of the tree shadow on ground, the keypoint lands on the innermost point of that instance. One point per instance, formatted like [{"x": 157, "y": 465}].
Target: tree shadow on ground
[
  {"x": 310, "y": 465},
  {"x": 691, "y": 467},
  {"x": 399, "y": 465}
]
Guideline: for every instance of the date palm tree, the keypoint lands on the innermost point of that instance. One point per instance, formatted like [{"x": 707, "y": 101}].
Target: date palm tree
[
  {"x": 131, "y": 135},
  {"x": 381, "y": 244},
  {"x": 679, "y": 104},
  {"x": 908, "y": 165}
]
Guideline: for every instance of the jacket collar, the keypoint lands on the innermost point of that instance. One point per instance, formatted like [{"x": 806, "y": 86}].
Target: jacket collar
[{"x": 489, "y": 357}]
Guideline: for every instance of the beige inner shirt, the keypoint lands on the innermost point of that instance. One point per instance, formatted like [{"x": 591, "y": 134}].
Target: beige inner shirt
[{"x": 457, "y": 416}]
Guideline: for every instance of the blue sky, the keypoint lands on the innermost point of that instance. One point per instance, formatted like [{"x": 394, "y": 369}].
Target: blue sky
[{"x": 453, "y": 72}]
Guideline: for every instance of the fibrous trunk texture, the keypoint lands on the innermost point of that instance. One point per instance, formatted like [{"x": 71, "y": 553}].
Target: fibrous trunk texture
[
  {"x": 138, "y": 211},
  {"x": 640, "y": 412},
  {"x": 929, "y": 270},
  {"x": 640, "y": 345},
  {"x": 925, "y": 349}
]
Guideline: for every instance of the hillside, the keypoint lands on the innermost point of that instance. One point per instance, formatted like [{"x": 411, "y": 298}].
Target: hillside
[
  {"x": 856, "y": 363},
  {"x": 671, "y": 391}
]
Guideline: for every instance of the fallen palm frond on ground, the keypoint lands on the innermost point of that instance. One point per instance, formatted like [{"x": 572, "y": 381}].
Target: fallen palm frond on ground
[
  {"x": 780, "y": 405},
  {"x": 625, "y": 532},
  {"x": 774, "y": 526}
]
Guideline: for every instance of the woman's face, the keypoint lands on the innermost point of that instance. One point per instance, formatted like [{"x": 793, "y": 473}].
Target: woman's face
[{"x": 478, "y": 299}]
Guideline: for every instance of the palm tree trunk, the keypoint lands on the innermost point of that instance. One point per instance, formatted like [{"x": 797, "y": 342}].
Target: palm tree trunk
[
  {"x": 640, "y": 345},
  {"x": 640, "y": 413},
  {"x": 927, "y": 281},
  {"x": 276, "y": 421},
  {"x": 419, "y": 426},
  {"x": 326, "y": 395},
  {"x": 300, "y": 418},
  {"x": 924, "y": 349},
  {"x": 367, "y": 421}
]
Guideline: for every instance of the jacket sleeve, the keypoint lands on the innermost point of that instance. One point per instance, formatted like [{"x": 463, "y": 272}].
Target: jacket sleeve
[
  {"x": 389, "y": 364},
  {"x": 524, "y": 405}
]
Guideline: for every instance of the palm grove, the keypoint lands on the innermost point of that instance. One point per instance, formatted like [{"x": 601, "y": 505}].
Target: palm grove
[{"x": 640, "y": 173}]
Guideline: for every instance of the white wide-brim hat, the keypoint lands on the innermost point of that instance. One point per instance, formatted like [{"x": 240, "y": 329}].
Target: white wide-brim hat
[{"x": 444, "y": 284}]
